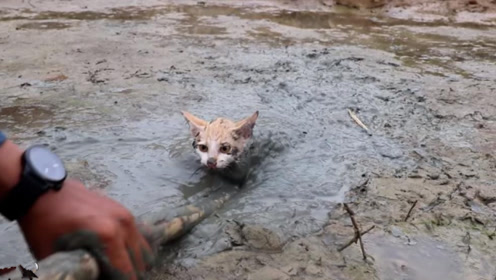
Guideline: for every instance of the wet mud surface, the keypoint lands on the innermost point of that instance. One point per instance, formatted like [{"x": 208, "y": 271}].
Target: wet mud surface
[{"x": 104, "y": 87}]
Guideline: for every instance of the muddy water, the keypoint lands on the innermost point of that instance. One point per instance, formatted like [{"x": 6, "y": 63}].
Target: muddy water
[{"x": 117, "y": 122}]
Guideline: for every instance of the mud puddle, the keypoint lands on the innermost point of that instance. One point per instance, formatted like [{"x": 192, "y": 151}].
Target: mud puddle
[
  {"x": 116, "y": 118},
  {"x": 423, "y": 259}
]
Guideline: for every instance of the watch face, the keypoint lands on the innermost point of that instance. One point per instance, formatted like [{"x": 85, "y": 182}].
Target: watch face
[{"x": 46, "y": 164}]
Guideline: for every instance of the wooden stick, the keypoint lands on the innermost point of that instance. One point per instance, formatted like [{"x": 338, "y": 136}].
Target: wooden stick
[
  {"x": 355, "y": 239},
  {"x": 358, "y": 121},
  {"x": 80, "y": 265},
  {"x": 411, "y": 209},
  {"x": 159, "y": 231},
  {"x": 76, "y": 265},
  {"x": 356, "y": 228}
]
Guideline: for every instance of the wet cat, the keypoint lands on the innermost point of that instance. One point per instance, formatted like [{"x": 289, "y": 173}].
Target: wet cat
[{"x": 223, "y": 144}]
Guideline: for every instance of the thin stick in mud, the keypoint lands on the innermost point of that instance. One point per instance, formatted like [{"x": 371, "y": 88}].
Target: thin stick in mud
[
  {"x": 355, "y": 239},
  {"x": 411, "y": 209},
  {"x": 359, "y": 122},
  {"x": 358, "y": 235}
]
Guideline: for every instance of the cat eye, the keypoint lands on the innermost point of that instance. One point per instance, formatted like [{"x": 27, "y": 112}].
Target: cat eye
[
  {"x": 203, "y": 148},
  {"x": 225, "y": 149}
]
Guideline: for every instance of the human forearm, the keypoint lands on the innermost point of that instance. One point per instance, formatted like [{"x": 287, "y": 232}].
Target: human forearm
[
  {"x": 10, "y": 166},
  {"x": 46, "y": 216}
]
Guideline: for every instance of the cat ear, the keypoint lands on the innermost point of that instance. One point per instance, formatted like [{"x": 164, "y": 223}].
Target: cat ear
[
  {"x": 196, "y": 125},
  {"x": 244, "y": 128}
]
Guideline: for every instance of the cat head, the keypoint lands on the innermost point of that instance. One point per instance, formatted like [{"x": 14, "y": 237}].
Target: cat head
[{"x": 220, "y": 142}]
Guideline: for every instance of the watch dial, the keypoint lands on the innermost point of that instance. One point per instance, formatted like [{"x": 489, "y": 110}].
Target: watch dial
[{"x": 47, "y": 164}]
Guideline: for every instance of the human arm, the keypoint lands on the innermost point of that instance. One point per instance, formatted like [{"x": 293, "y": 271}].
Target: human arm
[
  {"x": 10, "y": 165},
  {"x": 76, "y": 211}
]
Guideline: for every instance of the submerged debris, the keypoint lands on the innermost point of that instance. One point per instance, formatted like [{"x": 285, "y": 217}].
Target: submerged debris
[
  {"x": 410, "y": 211},
  {"x": 358, "y": 234},
  {"x": 359, "y": 122}
]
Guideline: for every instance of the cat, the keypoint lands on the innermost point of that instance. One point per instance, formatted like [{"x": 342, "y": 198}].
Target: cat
[{"x": 223, "y": 144}]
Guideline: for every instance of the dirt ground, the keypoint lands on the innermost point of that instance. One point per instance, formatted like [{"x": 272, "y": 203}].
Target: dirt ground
[
  {"x": 89, "y": 78},
  {"x": 468, "y": 11}
]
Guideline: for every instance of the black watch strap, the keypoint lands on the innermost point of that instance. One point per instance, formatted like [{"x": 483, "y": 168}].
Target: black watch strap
[{"x": 19, "y": 199}]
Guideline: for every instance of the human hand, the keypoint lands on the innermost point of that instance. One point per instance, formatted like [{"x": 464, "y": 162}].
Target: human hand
[{"x": 75, "y": 211}]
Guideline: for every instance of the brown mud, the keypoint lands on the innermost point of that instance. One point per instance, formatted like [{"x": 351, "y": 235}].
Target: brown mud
[{"x": 103, "y": 85}]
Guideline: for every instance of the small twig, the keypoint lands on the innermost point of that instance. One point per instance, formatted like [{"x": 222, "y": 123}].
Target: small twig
[
  {"x": 356, "y": 228},
  {"x": 358, "y": 121},
  {"x": 411, "y": 209},
  {"x": 456, "y": 189},
  {"x": 26, "y": 273},
  {"x": 466, "y": 239},
  {"x": 355, "y": 239},
  {"x": 492, "y": 234},
  {"x": 31, "y": 4}
]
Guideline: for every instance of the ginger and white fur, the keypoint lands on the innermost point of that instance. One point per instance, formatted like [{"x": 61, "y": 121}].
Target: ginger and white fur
[{"x": 221, "y": 142}]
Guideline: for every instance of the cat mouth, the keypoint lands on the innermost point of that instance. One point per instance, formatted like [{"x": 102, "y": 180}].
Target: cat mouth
[{"x": 212, "y": 166}]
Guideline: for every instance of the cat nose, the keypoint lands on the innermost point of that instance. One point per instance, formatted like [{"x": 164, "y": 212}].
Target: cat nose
[{"x": 212, "y": 162}]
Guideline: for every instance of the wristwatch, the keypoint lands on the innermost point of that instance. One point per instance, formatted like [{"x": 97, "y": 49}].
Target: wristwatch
[{"x": 42, "y": 170}]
